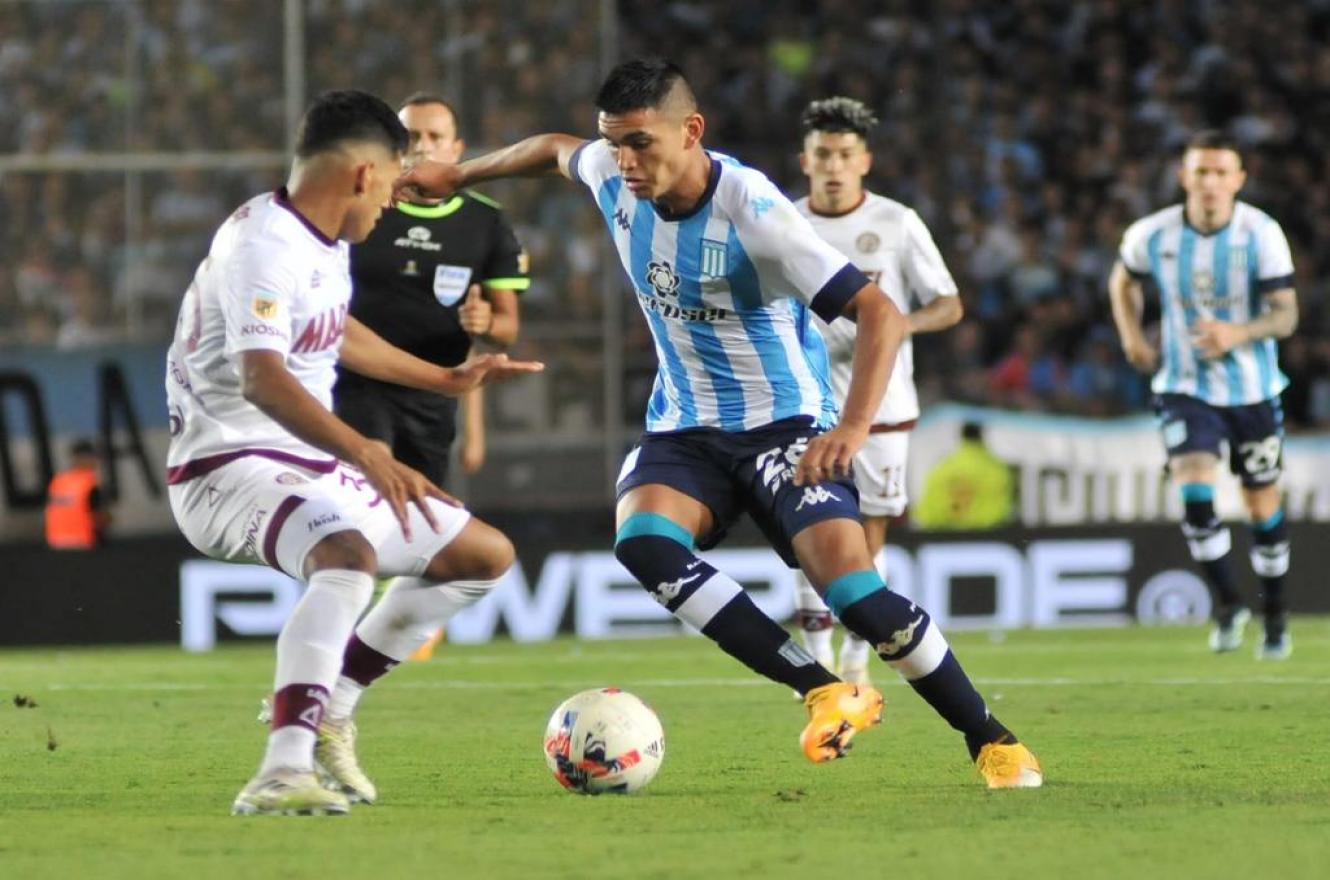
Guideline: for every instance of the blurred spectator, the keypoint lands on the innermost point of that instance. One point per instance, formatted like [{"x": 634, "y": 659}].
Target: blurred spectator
[
  {"x": 76, "y": 518},
  {"x": 969, "y": 489},
  {"x": 1026, "y": 133}
]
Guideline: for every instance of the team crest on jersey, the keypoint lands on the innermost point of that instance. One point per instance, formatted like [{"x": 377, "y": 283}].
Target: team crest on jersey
[
  {"x": 265, "y": 306},
  {"x": 1203, "y": 281},
  {"x": 1237, "y": 259},
  {"x": 661, "y": 276},
  {"x": 713, "y": 258},
  {"x": 868, "y": 242}
]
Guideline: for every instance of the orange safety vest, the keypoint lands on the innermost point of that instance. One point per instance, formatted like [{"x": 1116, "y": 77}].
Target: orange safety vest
[{"x": 71, "y": 523}]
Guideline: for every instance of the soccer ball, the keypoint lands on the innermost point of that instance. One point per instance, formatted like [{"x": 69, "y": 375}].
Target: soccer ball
[{"x": 604, "y": 741}]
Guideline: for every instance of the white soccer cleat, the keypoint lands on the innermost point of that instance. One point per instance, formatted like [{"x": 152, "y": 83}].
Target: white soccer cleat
[
  {"x": 1277, "y": 648},
  {"x": 1229, "y": 638},
  {"x": 289, "y": 793},
  {"x": 335, "y": 755}
]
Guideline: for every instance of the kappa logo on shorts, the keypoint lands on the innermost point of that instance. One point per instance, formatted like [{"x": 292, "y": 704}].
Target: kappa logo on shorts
[
  {"x": 289, "y": 478},
  {"x": 815, "y": 495}
]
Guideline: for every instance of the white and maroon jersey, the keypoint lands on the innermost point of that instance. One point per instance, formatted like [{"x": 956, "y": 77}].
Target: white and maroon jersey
[
  {"x": 890, "y": 244},
  {"x": 271, "y": 281}
]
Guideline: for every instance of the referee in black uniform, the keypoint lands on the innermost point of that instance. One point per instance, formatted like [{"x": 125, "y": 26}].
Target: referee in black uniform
[{"x": 431, "y": 279}]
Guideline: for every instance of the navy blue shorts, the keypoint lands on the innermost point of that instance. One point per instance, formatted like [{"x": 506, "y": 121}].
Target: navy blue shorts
[
  {"x": 1254, "y": 434},
  {"x": 733, "y": 473}
]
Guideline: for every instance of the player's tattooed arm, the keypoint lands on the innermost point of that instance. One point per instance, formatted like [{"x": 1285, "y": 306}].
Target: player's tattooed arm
[
  {"x": 369, "y": 354},
  {"x": 532, "y": 157},
  {"x": 1216, "y": 338},
  {"x": 1128, "y": 302},
  {"x": 880, "y": 331}
]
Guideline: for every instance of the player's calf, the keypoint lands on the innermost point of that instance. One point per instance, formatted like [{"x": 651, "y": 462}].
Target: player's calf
[{"x": 658, "y": 552}]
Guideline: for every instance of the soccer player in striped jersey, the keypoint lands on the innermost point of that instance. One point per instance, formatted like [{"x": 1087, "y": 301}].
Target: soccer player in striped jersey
[
  {"x": 742, "y": 418},
  {"x": 1224, "y": 277},
  {"x": 889, "y": 242}
]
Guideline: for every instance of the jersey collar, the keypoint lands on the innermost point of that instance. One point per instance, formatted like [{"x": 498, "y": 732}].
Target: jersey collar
[
  {"x": 283, "y": 198},
  {"x": 712, "y": 179},
  {"x": 430, "y": 212}
]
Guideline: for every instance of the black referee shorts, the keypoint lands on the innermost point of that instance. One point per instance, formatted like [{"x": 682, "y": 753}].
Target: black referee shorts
[{"x": 419, "y": 427}]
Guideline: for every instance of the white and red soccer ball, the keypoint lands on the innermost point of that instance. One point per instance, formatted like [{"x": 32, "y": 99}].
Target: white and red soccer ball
[{"x": 604, "y": 741}]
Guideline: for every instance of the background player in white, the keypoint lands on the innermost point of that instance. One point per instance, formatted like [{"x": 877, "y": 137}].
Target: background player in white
[
  {"x": 742, "y": 419},
  {"x": 1224, "y": 276},
  {"x": 261, "y": 471},
  {"x": 890, "y": 244}
]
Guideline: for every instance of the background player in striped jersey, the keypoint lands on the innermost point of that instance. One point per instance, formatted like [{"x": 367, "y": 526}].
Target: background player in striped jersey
[
  {"x": 742, "y": 419},
  {"x": 1224, "y": 277},
  {"x": 889, "y": 242}
]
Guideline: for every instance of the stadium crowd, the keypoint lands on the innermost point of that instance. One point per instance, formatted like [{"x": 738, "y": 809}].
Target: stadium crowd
[{"x": 1028, "y": 135}]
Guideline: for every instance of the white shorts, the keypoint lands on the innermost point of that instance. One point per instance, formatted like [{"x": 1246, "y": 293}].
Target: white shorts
[
  {"x": 267, "y": 512},
  {"x": 879, "y": 473}
]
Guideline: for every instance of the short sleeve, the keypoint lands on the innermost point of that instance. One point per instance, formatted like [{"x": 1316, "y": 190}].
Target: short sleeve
[
  {"x": 1274, "y": 259},
  {"x": 592, "y": 164},
  {"x": 257, "y": 301},
  {"x": 1134, "y": 252},
  {"x": 925, "y": 272},
  {"x": 506, "y": 264},
  {"x": 773, "y": 232}
]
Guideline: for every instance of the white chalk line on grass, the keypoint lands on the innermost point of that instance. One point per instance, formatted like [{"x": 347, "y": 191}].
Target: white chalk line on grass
[{"x": 457, "y": 684}]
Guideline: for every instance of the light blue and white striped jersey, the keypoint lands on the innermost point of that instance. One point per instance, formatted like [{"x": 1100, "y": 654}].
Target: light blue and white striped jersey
[
  {"x": 1221, "y": 276},
  {"x": 726, "y": 290}
]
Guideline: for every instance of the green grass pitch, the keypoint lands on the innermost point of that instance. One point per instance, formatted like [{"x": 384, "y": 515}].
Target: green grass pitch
[{"x": 1162, "y": 760}]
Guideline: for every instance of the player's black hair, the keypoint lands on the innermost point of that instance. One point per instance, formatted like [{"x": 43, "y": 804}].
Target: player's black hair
[
  {"x": 972, "y": 431},
  {"x": 837, "y": 115},
  {"x": 348, "y": 115},
  {"x": 420, "y": 99},
  {"x": 1213, "y": 139},
  {"x": 641, "y": 84}
]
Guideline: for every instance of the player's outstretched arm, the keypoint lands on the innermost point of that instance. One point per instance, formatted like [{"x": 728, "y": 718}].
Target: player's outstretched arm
[
  {"x": 537, "y": 155},
  {"x": 1128, "y": 302},
  {"x": 369, "y": 354},
  {"x": 881, "y": 328},
  {"x": 268, "y": 384}
]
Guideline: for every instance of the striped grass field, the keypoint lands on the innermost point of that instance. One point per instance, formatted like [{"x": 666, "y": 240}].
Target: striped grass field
[{"x": 1162, "y": 760}]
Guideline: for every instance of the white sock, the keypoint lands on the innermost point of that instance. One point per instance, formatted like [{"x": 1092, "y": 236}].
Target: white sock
[
  {"x": 818, "y": 643},
  {"x": 853, "y": 652},
  {"x": 309, "y": 652},
  {"x": 344, "y": 698},
  {"x": 412, "y": 609},
  {"x": 290, "y": 747}
]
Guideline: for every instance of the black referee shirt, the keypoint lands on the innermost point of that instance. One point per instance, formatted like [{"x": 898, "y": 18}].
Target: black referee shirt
[{"x": 412, "y": 273}]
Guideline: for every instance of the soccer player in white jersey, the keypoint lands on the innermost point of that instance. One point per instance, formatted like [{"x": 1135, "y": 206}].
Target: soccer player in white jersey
[
  {"x": 890, "y": 244},
  {"x": 261, "y": 471},
  {"x": 1224, "y": 277},
  {"x": 742, "y": 418}
]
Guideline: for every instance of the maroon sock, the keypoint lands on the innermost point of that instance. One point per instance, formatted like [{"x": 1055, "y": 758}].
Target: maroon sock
[
  {"x": 299, "y": 704},
  {"x": 364, "y": 665}
]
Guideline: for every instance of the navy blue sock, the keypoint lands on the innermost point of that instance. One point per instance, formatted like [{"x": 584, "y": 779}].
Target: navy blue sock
[
  {"x": 659, "y": 554},
  {"x": 1269, "y": 559},
  {"x": 906, "y": 638},
  {"x": 1210, "y": 544}
]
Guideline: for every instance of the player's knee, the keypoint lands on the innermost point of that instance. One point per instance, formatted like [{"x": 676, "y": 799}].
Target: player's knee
[
  {"x": 650, "y": 545},
  {"x": 348, "y": 550},
  {"x": 480, "y": 553}
]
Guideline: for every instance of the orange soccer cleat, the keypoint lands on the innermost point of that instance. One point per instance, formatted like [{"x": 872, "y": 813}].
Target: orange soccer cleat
[
  {"x": 1009, "y": 765},
  {"x": 836, "y": 712}
]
